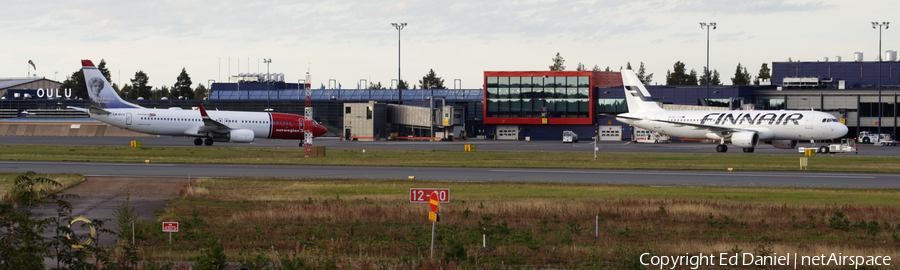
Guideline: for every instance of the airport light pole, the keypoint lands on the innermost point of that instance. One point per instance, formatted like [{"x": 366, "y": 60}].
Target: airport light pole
[
  {"x": 707, "y": 26},
  {"x": 399, "y": 27},
  {"x": 879, "y": 25},
  {"x": 267, "y": 61}
]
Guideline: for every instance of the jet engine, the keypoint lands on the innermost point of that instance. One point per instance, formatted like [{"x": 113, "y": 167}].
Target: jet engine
[
  {"x": 784, "y": 144},
  {"x": 745, "y": 139},
  {"x": 237, "y": 135}
]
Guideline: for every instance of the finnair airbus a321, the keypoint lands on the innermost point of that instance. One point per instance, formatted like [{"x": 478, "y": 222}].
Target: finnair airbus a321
[
  {"x": 205, "y": 127},
  {"x": 743, "y": 129}
]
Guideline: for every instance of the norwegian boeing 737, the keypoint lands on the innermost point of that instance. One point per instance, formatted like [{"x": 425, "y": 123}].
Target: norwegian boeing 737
[
  {"x": 205, "y": 127},
  {"x": 743, "y": 129}
]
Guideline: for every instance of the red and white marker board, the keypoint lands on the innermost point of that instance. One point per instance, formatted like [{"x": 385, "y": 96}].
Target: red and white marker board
[
  {"x": 170, "y": 226},
  {"x": 422, "y": 195}
]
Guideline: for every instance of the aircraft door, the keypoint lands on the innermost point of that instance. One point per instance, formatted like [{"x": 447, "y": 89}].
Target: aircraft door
[
  {"x": 656, "y": 123},
  {"x": 128, "y": 119},
  {"x": 809, "y": 121}
]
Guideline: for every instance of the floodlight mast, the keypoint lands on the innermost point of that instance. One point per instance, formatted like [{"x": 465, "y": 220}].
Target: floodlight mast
[
  {"x": 879, "y": 25},
  {"x": 399, "y": 27},
  {"x": 707, "y": 26}
]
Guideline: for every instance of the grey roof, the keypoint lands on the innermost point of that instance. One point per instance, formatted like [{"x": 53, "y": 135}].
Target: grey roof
[{"x": 7, "y": 83}]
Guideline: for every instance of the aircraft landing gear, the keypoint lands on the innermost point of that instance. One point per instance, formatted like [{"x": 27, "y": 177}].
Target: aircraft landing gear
[
  {"x": 198, "y": 141},
  {"x": 208, "y": 141},
  {"x": 721, "y": 148},
  {"x": 748, "y": 150}
]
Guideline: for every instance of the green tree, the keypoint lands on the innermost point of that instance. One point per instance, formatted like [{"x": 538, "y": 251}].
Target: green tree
[
  {"x": 679, "y": 76},
  {"x": 200, "y": 93},
  {"x": 24, "y": 192},
  {"x": 402, "y": 85},
  {"x": 741, "y": 76},
  {"x": 558, "y": 62},
  {"x": 643, "y": 76},
  {"x": 580, "y": 67},
  {"x": 139, "y": 84},
  {"x": 104, "y": 70},
  {"x": 764, "y": 74},
  {"x": 431, "y": 81},
  {"x": 123, "y": 93},
  {"x": 182, "y": 86},
  {"x": 164, "y": 91},
  {"x": 24, "y": 241},
  {"x": 77, "y": 84},
  {"x": 713, "y": 78},
  {"x": 375, "y": 85},
  {"x": 596, "y": 68},
  {"x": 692, "y": 78}
]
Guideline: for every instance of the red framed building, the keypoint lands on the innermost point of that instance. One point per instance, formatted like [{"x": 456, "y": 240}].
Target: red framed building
[{"x": 543, "y": 97}]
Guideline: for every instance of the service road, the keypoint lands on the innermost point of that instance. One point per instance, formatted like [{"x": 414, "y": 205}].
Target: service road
[{"x": 635, "y": 177}]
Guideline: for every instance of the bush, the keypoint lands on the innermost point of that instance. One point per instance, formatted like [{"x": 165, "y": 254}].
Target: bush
[
  {"x": 839, "y": 222},
  {"x": 212, "y": 258}
]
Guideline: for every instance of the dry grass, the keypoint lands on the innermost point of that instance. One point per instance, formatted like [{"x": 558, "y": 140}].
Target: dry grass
[
  {"x": 370, "y": 223},
  {"x": 65, "y": 180}
]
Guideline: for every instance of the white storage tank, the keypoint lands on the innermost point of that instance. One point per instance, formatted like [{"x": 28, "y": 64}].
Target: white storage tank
[
  {"x": 890, "y": 55},
  {"x": 858, "y": 56},
  {"x": 837, "y": 58}
]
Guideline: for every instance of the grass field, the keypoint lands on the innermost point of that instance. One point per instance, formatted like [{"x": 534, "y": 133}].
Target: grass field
[
  {"x": 65, "y": 181},
  {"x": 356, "y": 224},
  {"x": 435, "y": 158}
]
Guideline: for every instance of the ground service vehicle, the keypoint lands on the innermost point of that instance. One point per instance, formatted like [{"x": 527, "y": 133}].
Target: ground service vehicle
[
  {"x": 645, "y": 136},
  {"x": 570, "y": 137},
  {"x": 867, "y": 137},
  {"x": 846, "y": 146}
]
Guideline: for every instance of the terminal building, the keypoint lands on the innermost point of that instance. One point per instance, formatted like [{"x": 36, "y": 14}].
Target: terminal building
[{"x": 522, "y": 105}]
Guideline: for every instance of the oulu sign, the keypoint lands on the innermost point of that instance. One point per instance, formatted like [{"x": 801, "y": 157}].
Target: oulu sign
[
  {"x": 422, "y": 195},
  {"x": 170, "y": 226}
]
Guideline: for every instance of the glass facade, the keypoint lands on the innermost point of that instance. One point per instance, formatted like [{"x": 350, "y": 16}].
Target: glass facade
[
  {"x": 523, "y": 97},
  {"x": 771, "y": 104},
  {"x": 611, "y": 106},
  {"x": 870, "y": 109}
]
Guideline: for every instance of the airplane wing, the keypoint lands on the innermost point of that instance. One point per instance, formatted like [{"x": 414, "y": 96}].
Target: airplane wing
[
  {"x": 209, "y": 124},
  {"x": 92, "y": 109}
]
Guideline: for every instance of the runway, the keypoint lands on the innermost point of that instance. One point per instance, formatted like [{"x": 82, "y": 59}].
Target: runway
[
  {"x": 482, "y": 145},
  {"x": 635, "y": 177}
]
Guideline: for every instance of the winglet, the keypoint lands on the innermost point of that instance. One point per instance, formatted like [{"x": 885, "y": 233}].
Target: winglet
[{"x": 202, "y": 111}]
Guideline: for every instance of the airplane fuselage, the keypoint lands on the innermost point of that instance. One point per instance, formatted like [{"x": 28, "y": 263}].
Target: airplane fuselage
[
  {"x": 770, "y": 125},
  {"x": 186, "y": 122}
]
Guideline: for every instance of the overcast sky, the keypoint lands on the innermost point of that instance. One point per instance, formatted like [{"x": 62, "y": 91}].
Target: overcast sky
[{"x": 352, "y": 40}]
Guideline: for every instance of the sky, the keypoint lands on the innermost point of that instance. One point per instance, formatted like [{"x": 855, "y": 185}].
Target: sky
[{"x": 349, "y": 41}]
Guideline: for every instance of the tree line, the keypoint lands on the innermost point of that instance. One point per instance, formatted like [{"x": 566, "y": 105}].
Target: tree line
[
  {"x": 139, "y": 87},
  {"x": 679, "y": 75},
  {"x": 181, "y": 89}
]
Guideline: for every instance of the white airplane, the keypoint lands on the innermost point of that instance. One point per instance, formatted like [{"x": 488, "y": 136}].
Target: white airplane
[
  {"x": 205, "y": 127},
  {"x": 743, "y": 129}
]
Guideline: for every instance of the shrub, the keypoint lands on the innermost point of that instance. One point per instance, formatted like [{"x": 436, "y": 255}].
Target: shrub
[{"x": 839, "y": 222}]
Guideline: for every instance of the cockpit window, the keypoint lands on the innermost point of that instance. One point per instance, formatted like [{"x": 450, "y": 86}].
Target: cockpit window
[{"x": 829, "y": 120}]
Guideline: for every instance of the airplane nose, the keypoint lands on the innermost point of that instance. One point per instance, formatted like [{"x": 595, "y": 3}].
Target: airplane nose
[
  {"x": 842, "y": 131},
  {"x": 319, "y": 131}
]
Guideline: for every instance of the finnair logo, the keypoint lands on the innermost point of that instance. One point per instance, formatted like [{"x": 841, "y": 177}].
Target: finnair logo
[{"x": 753, "y": 119}]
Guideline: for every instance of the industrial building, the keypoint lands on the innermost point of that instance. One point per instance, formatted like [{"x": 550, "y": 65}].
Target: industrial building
[{"x": 520, "y": 105}]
